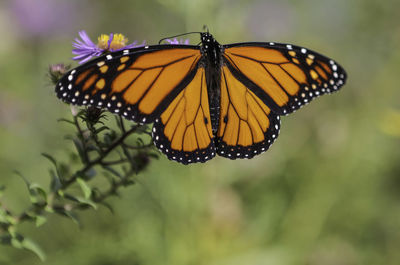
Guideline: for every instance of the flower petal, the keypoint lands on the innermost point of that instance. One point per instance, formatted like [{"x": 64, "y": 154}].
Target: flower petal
[
  {"x": 85, "y": 49},
  {"x": 86, "y": 38},
  {"x": 110, "y": 39},
  {"x": 176, "y": 41}
]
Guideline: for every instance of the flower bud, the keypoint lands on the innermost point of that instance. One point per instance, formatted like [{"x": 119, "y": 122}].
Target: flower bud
[{"x": 56, "y": 71}]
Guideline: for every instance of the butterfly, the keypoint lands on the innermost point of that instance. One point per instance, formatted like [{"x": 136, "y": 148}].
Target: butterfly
[{"x": 205, "y": 99}]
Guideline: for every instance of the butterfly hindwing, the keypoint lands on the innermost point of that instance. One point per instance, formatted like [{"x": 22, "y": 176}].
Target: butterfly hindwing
[
  {"x": 247, "y": 126},
  {"x": 138, "y": 83},
  {"x": 284, "y": 76},
  {"x": 183, "y": 131}
]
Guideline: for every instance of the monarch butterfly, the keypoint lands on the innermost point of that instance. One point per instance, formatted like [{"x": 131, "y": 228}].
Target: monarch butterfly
[{"x": 207, "y": 99}]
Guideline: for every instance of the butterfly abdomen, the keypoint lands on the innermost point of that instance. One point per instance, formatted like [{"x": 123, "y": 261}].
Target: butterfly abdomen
[{"x": 214, "y": 112}]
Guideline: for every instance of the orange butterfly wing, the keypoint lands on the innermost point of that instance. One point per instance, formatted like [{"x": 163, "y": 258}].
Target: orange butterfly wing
[
  {"x": 247, "y": 126},
  {"x": 138, "y": 84},
  {"x": 183, "y": 132},
  {"x": 284, "y": 76}
]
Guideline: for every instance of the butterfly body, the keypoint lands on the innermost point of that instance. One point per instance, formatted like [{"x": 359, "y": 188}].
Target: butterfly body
[
  {"x": 208, "y": 99},
  {"x": 212, "y": 56}
]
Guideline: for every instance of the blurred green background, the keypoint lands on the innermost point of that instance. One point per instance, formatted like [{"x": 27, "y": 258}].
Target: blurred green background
[{"x": 327, "y": 192}]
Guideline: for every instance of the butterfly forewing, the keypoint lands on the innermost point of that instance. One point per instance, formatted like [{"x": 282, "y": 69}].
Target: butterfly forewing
[
  {"x": 138, "y": 84},
  {"x": 284, "y": 76}
]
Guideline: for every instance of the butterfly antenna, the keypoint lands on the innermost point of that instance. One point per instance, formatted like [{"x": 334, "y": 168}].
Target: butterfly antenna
[
  {"x": 179, "y": 35},
  {"x": 205, "y": 28}
]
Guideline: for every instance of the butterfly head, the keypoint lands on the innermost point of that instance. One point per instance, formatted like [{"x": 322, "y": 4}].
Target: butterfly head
[
  {"x": 207, "y": 40},
  {"x": 209, "y": 46}
]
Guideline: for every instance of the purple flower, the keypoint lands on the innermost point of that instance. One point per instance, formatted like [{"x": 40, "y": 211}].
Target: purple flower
[
  {"x": 176, "y": 41},
  {"x": 85, "y": 48}
]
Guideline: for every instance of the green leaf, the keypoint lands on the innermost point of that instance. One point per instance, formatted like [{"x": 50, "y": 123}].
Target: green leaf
[
  {"x": 67, "y": 213},
  {"x": 61, "y": 193},
  {"x": 36, "y": 190},
  {"x": 87, "y": 190},
  {"x": 49, "y": 209},
  {"x": 154, "y": 155},
  {"x": 79, "y": 147},
  {"x": 81, "y": 201},
  {"x": 69, "y": 196},
  {"x": 66, "y": 120},
  {"x": 74, "y": 159},
  {"x": 91, "y": 146},
  {"x": 50, "y": 158},
  {"x": 15, "y": 242},
  {"x": 12, "y": 231},
  {"x": 139, "y": 141},
  {"x": 40, "y": 220},
  {"x": 119, "y": 121},
  {"x": 11, "y": 220},
  {"x": 110, "y": 137},
  {"x": 64, "y": 168},
  {"x": 23, "y": 177},
  {"x": 85, "y": 202},
  {"x": 56, "y": 176},
  {"x": 108, "y": 206},
  {"x": 102, "y": 128},
  {"x": 141, "y": 129},
  {"x": 73, "y": 217},
  {"x": 32, "y": 246},
  {"x": 55, "y": 183}
]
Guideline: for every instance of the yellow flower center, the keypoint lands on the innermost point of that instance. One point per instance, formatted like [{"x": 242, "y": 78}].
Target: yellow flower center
[{"x": 119, "y": 41}]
